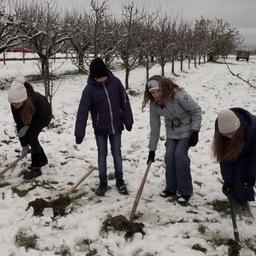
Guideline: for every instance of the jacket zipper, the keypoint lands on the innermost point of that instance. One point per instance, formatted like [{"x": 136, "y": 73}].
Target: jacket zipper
[
  {"x": 110, "y": 109},
  {"x": 98, "y": 117}
]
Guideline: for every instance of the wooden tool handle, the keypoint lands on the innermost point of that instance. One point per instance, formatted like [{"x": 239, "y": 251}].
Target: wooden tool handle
[
  {"x": 90, "y": 169},
  {"x": 11, "y": 165},
  {"x": 139, "y": 193}
]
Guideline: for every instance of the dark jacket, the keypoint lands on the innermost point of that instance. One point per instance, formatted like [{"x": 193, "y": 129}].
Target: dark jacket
[
  {"x": 109, "y": 106},
  {"x": 237, "y": 172},
  {"x": 41, "y": 117}
]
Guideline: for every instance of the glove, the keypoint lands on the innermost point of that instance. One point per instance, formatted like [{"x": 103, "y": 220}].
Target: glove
[
  {"x": 25, "y": 150},
  {"x": 22, "y": 132},
  {"x": 227, "y": 189},
  {"x": 151, "y": 156},
  {"x": 250, "y": 181},
  {"x": 79, "y": 140},
  {"x": 128, "y": 127},
  {"x": 193, "y": 139}
]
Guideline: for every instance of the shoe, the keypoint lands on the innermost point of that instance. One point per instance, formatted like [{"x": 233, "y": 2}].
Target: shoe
[
  {"x": 101, "y": 189},
  {"x": 121, "y": 187},
  {"x": 35, "y": 172},
  {"x": 166, "y": 193},
  {"x": 183, "y": 199}
]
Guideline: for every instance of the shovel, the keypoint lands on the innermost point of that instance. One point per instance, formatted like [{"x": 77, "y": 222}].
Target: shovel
[
  {"x": 139, "y": 193},
  {"x": 11, "y": 165},
  {"x": 60, "y": 203}
]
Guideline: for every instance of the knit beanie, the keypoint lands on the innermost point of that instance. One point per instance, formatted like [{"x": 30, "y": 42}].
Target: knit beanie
[
  {"x": 17, "y": 92},
  {"x": 228, "y": 121},
  {"x": 153, "y": 85},
  {"x": 98, "y": 68}
]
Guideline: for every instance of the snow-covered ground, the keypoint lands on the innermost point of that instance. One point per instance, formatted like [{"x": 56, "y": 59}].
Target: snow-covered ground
[{"x": 171, "y": 229}]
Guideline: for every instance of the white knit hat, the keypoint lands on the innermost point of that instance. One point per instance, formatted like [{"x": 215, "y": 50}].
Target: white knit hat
[
  {"x": 228, "y": 121},
  {"x": 17, "y": 92}
]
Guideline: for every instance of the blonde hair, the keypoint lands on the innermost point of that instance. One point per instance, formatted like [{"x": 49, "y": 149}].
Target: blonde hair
[{"x": 167, "y": 87}]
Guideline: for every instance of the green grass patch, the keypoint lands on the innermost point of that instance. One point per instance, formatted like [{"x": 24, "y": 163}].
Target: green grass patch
[{"x": 23, "y": 239}]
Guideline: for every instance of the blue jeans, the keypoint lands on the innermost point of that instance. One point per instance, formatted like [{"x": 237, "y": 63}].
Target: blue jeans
[
  {"x": 177, "y": 175},
  {"x": 102, "y": 144}
]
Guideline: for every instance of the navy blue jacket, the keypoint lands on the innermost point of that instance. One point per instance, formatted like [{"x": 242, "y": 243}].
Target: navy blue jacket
[
  {"x": 237, "y": 172},
  {"x": 109, "y": 106}
]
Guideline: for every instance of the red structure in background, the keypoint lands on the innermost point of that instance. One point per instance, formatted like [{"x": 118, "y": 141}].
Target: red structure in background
[{"x": 20, "y": 49}]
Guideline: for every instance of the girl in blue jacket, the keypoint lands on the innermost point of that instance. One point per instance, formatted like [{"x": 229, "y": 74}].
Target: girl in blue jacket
[
  {"x": 234, "y": 147},
  {"x": 105, "y": 98}
]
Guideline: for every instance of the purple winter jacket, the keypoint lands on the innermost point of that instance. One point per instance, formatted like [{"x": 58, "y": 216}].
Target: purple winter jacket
[{"x": 109, "y": 106}]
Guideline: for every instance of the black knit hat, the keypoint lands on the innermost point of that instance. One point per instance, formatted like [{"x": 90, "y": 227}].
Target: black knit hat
[{"x": 98, "y": 68}]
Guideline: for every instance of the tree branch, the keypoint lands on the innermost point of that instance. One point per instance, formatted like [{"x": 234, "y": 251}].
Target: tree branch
[{"x": 238, "y": 76}]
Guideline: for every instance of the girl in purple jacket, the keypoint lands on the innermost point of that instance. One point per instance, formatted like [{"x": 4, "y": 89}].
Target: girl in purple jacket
[{"x": 105, "y": 98}]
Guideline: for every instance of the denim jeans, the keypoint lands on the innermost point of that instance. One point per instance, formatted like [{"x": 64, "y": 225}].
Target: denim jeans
[
  {"x": 102, "y": 144},
  {"x": 177, "y": 175}
]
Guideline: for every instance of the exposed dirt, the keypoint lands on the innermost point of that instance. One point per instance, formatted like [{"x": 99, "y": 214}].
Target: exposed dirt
[
  {"x": 58, "y": 205},
  {"x": 121, "y": 223}
]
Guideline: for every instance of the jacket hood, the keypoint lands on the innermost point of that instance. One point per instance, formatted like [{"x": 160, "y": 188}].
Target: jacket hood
[
  {"x": 245, "y": 117},
  {"x": 92, "y": 81}
]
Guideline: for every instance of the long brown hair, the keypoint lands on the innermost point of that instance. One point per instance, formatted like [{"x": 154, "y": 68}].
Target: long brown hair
[
  {"x": 225, "y": 149},
  {"x": 27, "y": 111},
  {"x": 167, "y": 86}
]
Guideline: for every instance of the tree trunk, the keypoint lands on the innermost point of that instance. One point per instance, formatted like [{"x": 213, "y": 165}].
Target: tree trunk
[
  {"x": 80, "y": 63},
  {"x": 172, "y": 63},
  {"x": 127, "y": 72}
]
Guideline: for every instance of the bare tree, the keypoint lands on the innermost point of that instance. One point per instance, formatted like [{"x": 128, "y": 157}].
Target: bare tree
[
  {"x": 97, "y": 19},
  {"x": 129, "y": 47},
  {"x": 76, "y": 27},
  {"x": 41, "y": 28},
  {"x": 224, "y": 38},
  {"x": 163, "y": 45},
  {"x": 147, "y": 41},
  {"x": 9, "y": 36}
]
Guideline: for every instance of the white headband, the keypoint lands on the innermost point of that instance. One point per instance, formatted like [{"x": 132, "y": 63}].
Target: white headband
[{"x": 153, "y": 85}]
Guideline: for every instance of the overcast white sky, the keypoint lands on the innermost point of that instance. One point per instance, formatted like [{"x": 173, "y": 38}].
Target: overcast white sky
[{"x": 239, "y": 13}]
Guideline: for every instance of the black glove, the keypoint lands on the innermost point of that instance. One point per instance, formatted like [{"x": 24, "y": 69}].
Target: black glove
[
  {"x": 250, "y": 181},
  {"x": 227, "y": 189},
  {"x": 128, "y": 127},
  {"x": 79, "y": 140},
  {"x": 151, "y": 156},
  {"x": 193, "y": 139}
]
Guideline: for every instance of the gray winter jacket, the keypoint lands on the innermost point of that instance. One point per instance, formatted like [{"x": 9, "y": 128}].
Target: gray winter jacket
[{"x": 182, "y": 116}]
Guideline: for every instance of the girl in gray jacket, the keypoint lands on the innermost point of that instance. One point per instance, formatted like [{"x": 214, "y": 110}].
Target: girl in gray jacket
[{"x": 182, "y": 116}]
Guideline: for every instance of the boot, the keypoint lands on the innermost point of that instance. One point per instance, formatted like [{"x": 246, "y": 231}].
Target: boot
[
  {"x": 35, "y": 172},
  {"x": 101, "y": 189},
  {"x": 121, "y": 187}
]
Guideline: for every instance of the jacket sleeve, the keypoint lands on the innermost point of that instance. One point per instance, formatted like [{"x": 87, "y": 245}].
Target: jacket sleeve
[
  {"x": 155, "y": 125},
  {"x": 82, "y": 113},
  {"x": 252, "y": 167},
  {"x": 189, "y": 104},
  {"x": 19, "y": 125},
  {"x": 226, "y": 171},
  {"x": 126, "y": 107}
]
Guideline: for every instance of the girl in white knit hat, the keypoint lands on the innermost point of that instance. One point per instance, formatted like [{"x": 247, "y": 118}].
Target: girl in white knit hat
[
  {"x": 31, "y": 112},
  {"x": 234, "y": 147}
]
